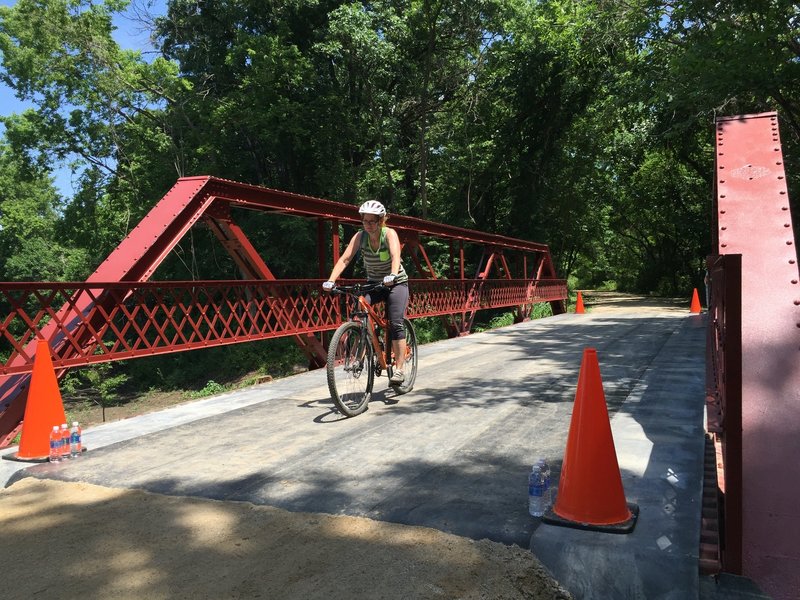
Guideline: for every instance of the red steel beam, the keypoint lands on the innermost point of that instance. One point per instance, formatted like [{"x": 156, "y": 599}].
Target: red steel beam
[
  {"x": 261, "y": 198},
  {"x": 754, "y": 220},
  {"x": 252, "y": 266}
]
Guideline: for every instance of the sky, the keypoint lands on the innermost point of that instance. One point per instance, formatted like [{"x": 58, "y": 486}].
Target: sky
[{"x": 128, "y": 35}]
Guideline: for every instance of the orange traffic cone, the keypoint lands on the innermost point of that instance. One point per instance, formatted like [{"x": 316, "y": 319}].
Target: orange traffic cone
[
  {"x": 590, "y": 494},
  {"x": 43, "y": 410},
  {"x": 695, "y": 302},
  {"x": 579, "y": 304}
]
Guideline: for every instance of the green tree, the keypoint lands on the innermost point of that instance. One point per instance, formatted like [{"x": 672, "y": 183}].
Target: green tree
[
  {"x": 30, "y": 249},
  {"x": 584, "y": 124},
  {"x": 97, "y": 108}
]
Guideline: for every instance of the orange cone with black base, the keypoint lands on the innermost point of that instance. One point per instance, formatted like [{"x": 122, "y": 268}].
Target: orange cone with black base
[
  {"x": 695, "y": 308},
  {"x": 590, "y": 494},
  {"x": 579, "y": 310},
  {"x": 43, "y": 410}
]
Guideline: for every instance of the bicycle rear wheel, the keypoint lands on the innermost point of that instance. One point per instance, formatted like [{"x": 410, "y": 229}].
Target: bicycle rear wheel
[
  {"x": 410, "y": 365},
  {"x": 350, "y": 369}
]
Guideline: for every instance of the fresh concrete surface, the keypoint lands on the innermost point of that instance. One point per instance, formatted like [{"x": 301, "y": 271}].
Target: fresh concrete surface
[
  {"x": 455, "y": 453},
  {"x": 658, "y": 435}
]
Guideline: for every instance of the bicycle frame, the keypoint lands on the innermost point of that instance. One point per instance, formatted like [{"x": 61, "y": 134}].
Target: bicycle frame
[{"x": 373, "y": 320}]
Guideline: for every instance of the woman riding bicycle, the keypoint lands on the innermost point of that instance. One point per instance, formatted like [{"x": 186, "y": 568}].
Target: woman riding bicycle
[{"x": 380, "y": 250}]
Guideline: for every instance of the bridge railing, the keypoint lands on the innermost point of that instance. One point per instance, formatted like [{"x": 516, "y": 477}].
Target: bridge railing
[{"x": 89, "y": 323}]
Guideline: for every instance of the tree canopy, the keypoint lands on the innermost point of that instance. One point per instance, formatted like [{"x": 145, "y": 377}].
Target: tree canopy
[{"x": 583, "y": 124}]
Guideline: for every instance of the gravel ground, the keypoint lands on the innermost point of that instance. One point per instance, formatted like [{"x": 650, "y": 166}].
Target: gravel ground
[{"x": 76, "y": 540}]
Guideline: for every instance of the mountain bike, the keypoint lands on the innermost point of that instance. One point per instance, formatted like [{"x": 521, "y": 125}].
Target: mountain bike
[{"x": 361, "y": 350}]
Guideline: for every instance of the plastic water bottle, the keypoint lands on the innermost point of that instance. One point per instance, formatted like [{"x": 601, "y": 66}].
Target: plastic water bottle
[
  {"x": 541, "y": 462},
  {"x": 75, "y": 440},
  {"x": 64, "y": 441},
  {"x": 55, "y": 444},
  {"x": 536, "y": 492}
]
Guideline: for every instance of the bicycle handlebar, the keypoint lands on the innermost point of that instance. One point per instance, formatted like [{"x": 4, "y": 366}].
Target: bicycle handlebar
[{"x": 357, "y": 289}]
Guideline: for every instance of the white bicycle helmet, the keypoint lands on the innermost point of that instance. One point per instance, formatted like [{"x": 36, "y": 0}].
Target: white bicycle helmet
[{"x": 372, "y": 207}]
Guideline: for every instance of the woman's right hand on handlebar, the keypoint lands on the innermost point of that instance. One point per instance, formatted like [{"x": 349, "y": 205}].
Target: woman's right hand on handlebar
[{"x": 328, "y": 286}]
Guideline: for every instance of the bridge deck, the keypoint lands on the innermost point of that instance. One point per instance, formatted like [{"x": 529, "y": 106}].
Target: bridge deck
[{"x": 454, "y": 454}]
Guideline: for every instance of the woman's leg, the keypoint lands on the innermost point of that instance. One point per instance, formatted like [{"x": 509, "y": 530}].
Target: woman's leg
[{"x": 396, "y": 304}]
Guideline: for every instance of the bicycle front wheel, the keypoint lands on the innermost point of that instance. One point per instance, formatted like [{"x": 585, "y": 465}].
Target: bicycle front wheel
[
  {"x": 410, "y": 365},
  {"x": 350, "y": 369}
]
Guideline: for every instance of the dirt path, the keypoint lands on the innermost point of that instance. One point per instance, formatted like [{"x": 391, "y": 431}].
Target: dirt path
[
  {"x": 597, "y": 302},
  {"x": 75, "y": 540}
]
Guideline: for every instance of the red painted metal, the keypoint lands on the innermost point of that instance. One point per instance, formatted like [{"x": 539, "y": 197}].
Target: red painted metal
[
  {"x": 118, "y": 314},
  {"x": 150, "y": 318},
  {"x": 754, "y": 219},
  {"x": 724, "y": 401}
]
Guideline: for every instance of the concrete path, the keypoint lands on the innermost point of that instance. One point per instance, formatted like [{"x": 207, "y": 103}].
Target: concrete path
[{"x": 455, "y": 453}]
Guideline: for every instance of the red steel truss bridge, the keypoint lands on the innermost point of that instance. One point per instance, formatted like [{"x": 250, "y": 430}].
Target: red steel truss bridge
[{"x": 119, "y": 314}]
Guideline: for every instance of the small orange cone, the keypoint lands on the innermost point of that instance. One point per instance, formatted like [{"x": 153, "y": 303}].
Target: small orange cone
[
  {"x": 579, "y": 305},
  {"x": 43, "y": 410},
  {"x": 695, "y": 302},
  {"x": 590, "y": 493}
]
